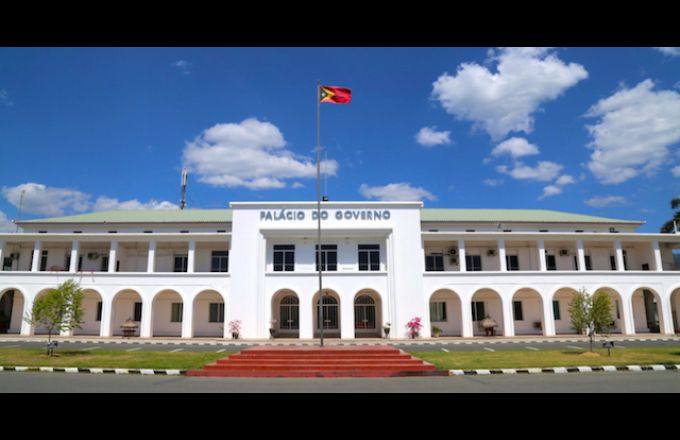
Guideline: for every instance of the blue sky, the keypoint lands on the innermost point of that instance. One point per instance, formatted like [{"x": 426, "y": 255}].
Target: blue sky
[{"x": 588, "y": 130}]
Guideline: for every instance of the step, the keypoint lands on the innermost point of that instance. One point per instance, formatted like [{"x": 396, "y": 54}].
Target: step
[
  {"x": 374, "y": 358},
  {"x": 322, "y": 352},
  {"x": 312, "y": 374},
  {"x": 319, "y": 367},
  {"x": 318, "y": 362}
]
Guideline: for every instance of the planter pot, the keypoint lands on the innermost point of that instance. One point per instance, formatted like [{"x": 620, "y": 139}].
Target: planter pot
[
  {"x": 234, "y": 335},
  {"x": 272, "y": 333},
  {"x": 387, "y": 332}
]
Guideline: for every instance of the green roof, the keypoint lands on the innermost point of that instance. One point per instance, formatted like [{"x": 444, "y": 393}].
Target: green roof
[
  {"x": 157, "y": 216},
  {"x": 427, "y": 215},
  {"x": 512, "y": 215}
]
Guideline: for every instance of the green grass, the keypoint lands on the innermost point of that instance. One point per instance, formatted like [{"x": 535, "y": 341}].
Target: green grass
[
  {"x": 36, "y": 357},
  {"x": 550, "y": 358}
]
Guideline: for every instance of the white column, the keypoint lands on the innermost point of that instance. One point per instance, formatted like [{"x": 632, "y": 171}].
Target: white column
[
  {"x": 548, "y": 317},
  {"x": 113, "y": 252},
  {"x": 461, "y": 256},
  {"x": 26, "y": 328},
  {"x": 581, "y": 256},
  {"x": 188, "y": 319},
  {"x": 37, "y": 250},
  {"x": 107, "y": 314},
  {"x": 666, "y": 310},
  {"x": 501, "y": 255},
  {"x": 541, "y": 255},
  {"x": 627, "y": 314},
  {"x": 657, "y": 256},
  {"x": 75, "y": 248},
  {"x": 508, "y": 319},
  {"x": 151, "y": 262},
  {"x": 192, "y": 257},
  {"x": 2, "y": 248},
  {"x": 147, "y": 318},
  {"x": 307, "y": 318},
  {"x": 466, "y": 309},
  {"x": 620, "y": 267},
  {"x": 347, "y": 318}
]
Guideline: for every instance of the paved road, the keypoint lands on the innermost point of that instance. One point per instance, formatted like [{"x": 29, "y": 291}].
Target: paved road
[
  {"x": 432, "y": 346},
  {"x": 655, "y": 382}
]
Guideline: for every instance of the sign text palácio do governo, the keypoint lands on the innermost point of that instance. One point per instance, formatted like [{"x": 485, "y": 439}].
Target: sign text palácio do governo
[{"x": 277, "y": 215}]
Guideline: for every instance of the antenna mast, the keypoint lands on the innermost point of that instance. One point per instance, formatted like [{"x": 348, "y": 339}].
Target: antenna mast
[
  {"x": 185, "y": 179},
  {"x": 21, "y": 205}
]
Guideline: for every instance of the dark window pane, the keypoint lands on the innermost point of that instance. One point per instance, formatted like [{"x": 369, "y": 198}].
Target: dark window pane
[
  {"x": 517, "y": 310},
  {"x": 138, "y": 312},
  {"x": 556, "y": 311}
]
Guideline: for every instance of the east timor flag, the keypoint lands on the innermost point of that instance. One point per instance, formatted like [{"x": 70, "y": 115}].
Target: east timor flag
[{"x": 335, "y": 95}]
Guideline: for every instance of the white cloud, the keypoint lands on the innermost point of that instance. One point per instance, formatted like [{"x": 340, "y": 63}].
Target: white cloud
[
  {"x": 607, "y": 201},
  {"x": 558, "y": 186},
  {"x": 515, "y": 147},
  {"x": 551, "y": 190},
  {"x": 110, "y": 204},
  {"x": 492, "y": 182},
  {"x": 249, "y": 154},
  {"x": 396, "y": 192},
  {"x": 669, "y": 51},
  {"x": 5, "y": 224},
  {"x": 635, "y": 129},
  {"x": 429, "y": 137},
  {"x": 504, "y": 101},
  {"x": 676, "y": 171},
  {"x": 183, "y": 65},
  {"x": 47, "y": 201},
  {"x": 297, "y": 185},
  {"x": 4, "y": 98},
  {"x": 565, "y": 180},
  {"x": 542, "y": 172},
  {"x": 42, "y": 200}
]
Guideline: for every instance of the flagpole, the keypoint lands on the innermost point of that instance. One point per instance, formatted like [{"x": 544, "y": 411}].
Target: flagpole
[{"x": 318, "y": 207}]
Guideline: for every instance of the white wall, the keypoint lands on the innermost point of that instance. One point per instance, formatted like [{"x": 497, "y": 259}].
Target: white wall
[
  {"x": 453, "y": 324},
  {"x": 202, "y": 326},
  {"x": 91, "y": 326},
  {"x": 493, "y": 308},
  {"x": 563, "y": 325},
  {"x": 162, "y": 312},
  {"x": 532, "y": 309}
]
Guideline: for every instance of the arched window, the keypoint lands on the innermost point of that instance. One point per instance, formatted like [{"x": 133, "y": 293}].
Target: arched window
[
  {"x": 289, "y": 313},
  {"x": 330, "y": 312},
  {"x": 364, "y": 312}
]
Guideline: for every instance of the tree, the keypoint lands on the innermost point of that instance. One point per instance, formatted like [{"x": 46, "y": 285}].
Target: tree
[
  {"x": 591, "y": 313},
  {"x": 59, "y": 310},
  {"x": 669, "y": 226}
]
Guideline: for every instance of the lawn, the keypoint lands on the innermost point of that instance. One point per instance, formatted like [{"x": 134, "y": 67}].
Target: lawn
[
  {"x": 550, "y": 358},
  {"x": 36, "y": 357}
]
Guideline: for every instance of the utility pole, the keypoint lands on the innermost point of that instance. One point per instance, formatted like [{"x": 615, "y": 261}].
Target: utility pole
[{"x": 21, "y": 206}]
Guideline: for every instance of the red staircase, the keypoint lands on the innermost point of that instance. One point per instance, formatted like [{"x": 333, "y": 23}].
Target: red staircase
[{"x": 285, "y": 361}]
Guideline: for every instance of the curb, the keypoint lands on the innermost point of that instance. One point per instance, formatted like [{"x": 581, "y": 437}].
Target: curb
[
  {"x": 565, "y": 370},
  {"x": 118, "y": 371}
]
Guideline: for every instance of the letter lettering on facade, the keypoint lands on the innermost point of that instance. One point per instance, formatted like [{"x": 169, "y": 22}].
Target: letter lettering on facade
[
  {"x": 301, "y": 215},
  {"x": 387, "y": 215},
  {"x": 338, "y": 215},
  {"x": 369, "y": 215},
  {"x": 377, "y": 215}
]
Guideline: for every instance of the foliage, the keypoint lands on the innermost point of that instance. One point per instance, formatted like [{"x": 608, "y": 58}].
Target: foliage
[
  {"x": 414, "y": 327},
  {"x": 668, "y": 227},
  {"x": 591, "y": 314},
  {"x": 58, "y": 310},
  {"x": 235, "y": 327},
  {"x": 436, "y": 331}
]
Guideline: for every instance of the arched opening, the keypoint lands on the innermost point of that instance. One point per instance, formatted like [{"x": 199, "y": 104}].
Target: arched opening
[
  {"x": 675, "y": 308},
  {"x": 331, "y": 314},
  {"x": 446, "y": 312},
  {"x": 40, "y": 330},
  {"x": 367, "y": 315},
  {"x": 167, "y": 313},
  {"x": 127, "y": 304},
  {"x": 208, "y": 314},
  {"x": 487, "y": 303},
  {"x": 286, "y": 314},
  {"x": 560, "y": 309},
  {"x": 92, "y": 314},
  {"x": 617, "y": 309},
  {"x": 11, "y": 311},
  {"x": 647, "y": 313},
  {"x": 527, "y": 312}
]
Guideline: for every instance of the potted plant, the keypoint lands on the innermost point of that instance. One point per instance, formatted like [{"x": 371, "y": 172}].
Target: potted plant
[
  {"x": 235, "y": 328},
  {"x": 436, "y": 332},
  {"x": 272, "y": 328},
  {"x": 413, "y": 327},
  {"x": 386, "y": 329}
]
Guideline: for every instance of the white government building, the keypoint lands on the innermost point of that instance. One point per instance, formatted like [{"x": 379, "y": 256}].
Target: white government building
[{"x": 187, "y": 273}]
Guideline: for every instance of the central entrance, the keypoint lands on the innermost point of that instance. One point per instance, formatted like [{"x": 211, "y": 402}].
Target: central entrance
[{"x": 331, "y": 314}]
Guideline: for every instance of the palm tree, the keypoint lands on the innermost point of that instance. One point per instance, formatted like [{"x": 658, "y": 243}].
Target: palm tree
[{"x": 669, "y": 226}]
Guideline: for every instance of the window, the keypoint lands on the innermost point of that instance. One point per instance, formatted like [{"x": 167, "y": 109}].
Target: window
[
  {"x": 80, "y": 263},
  {"x": 220, "y": 261},
  {"x": 612, "y": 261},
  {"x": 438, "y": 311},
  {"x": 478, "y": 310},
  {"x": 284, "y": 258},
  {"x": 138, "y": 312},
  {"x": 618, "y": 309},
  {"x": 556, "y": 311},
  {"x": 176, "y": 312},
  {"x": 512, "y": 262},
  {"x": 473, "y": 263},
  {"x": 43, "y": 261},
  {"x": 575, "y": 262},
  {"x": 625, "y": 260},
  {"x": 181, "y": 263},
  {"x": 7, "y": 264},
  {"x": 105, "y": 264},
  {"x": 216, "y": 312},
  {"x": 99, "y": 311},
  {"x": 289, "y": 313},
  {"x": 550, "y": 262},
  {"x": 434, "y": 263},
  {"x": 329, "y": 257},
  {"x": 67, "y": 262},
  {"x": 517, "y": 310},
  {"x": 369, "y": 257},
  {"x": 589, "y": 262},
  {"x": 645, "y": 266},
  {"x": 364, "y": 313}
]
